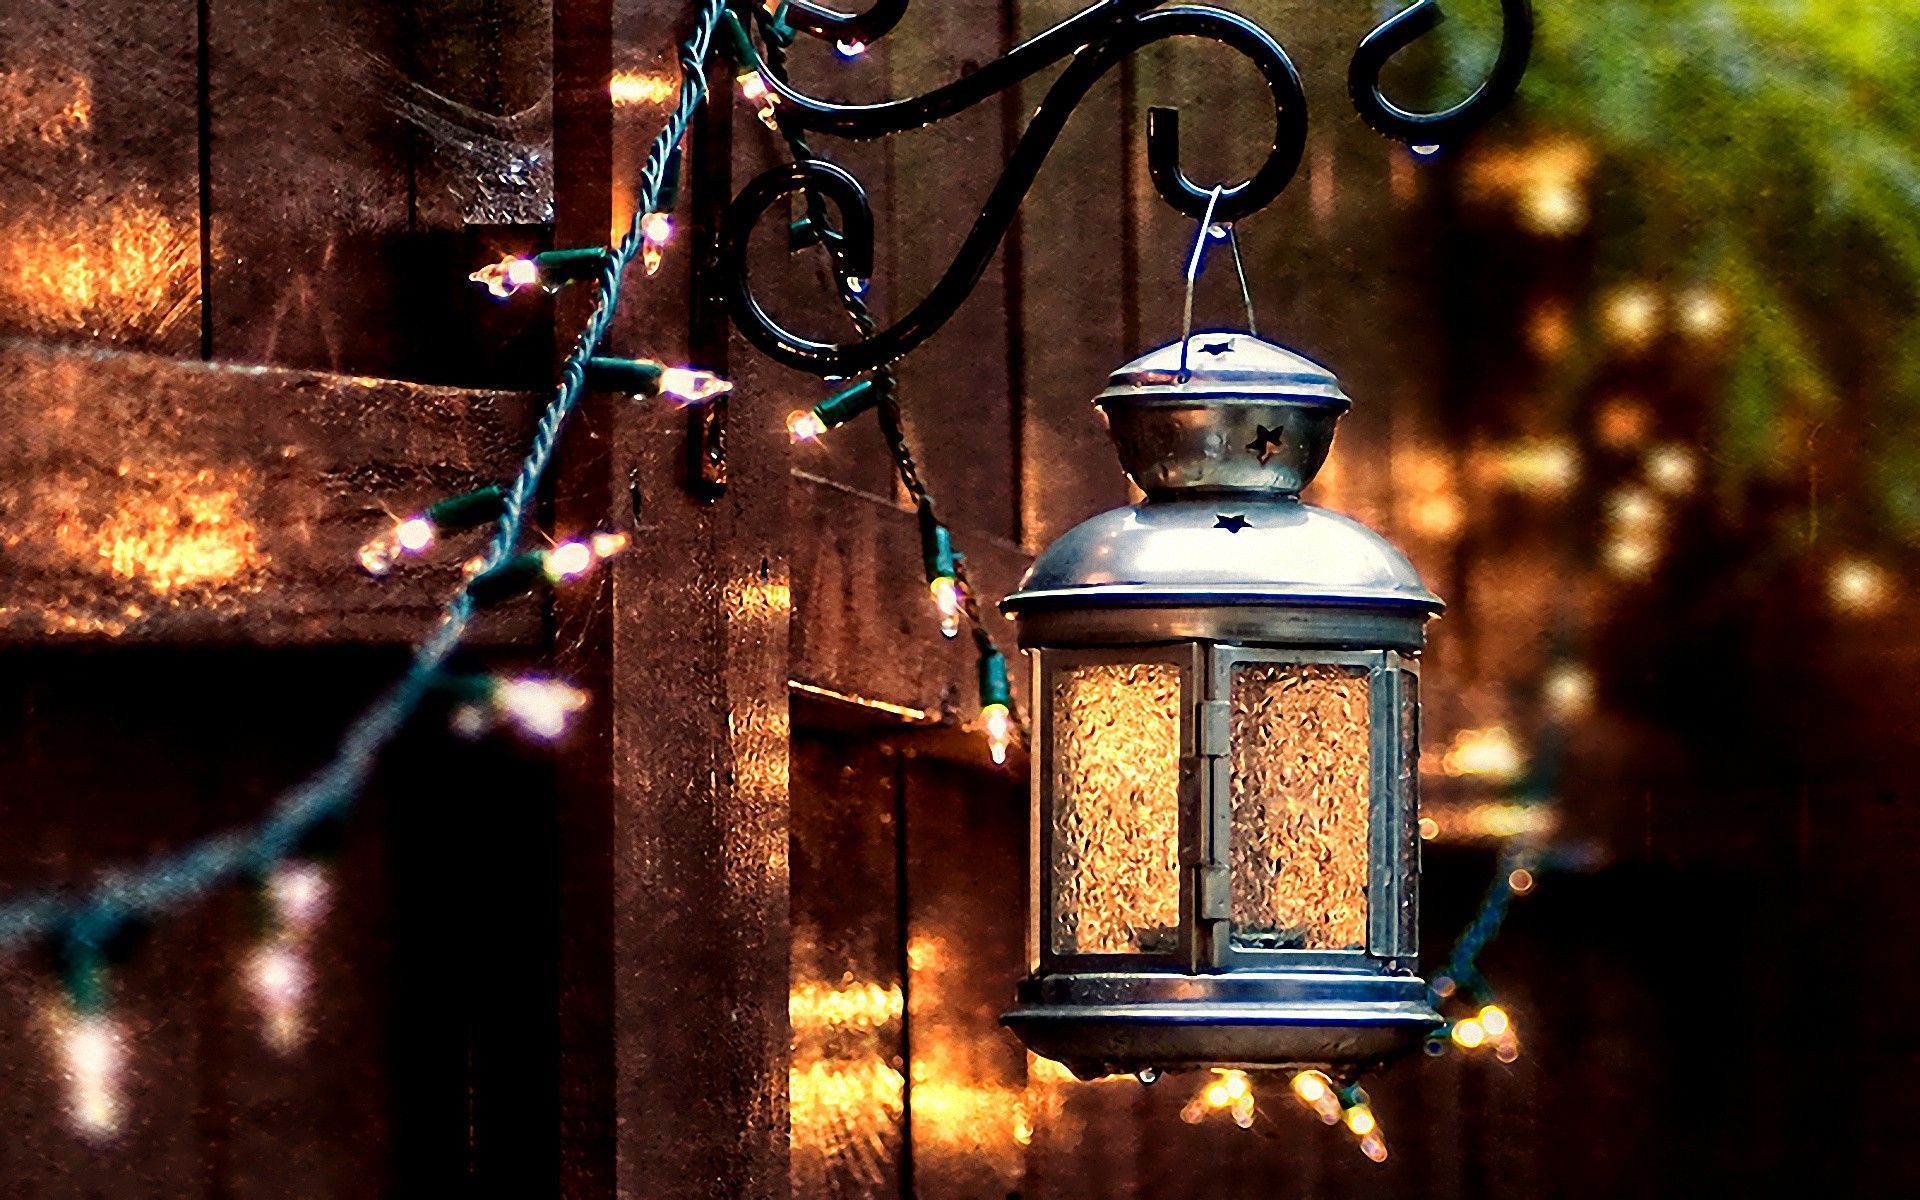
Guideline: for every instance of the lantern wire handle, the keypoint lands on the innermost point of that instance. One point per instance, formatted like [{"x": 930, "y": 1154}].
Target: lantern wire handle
[{"x": 1197, "y": 261}]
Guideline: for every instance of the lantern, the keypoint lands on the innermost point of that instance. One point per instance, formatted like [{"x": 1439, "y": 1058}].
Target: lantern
[{"x": 1226, "y": 702}]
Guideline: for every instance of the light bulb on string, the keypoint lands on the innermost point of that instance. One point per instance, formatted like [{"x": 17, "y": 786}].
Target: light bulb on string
[
  {"x": 92, "y": 1055},
  {"x": 541, "y": 709},
  {"x": 507, "y": 276},
  {"x": 278, "y": 972},
  {"x": 520, "y": 574},
  {"x": 1315, "y": 1091},
  {"x": 754, "y": 90},
  {"x": 947, "y": 602},
  {"x": 650, "y": 377},
  {"x": 804, "y": 425},
  {"x": 1468, "y": 1034},
  {"x": 656, "y": 230},
  {"x": 549, "y": 270},
  {"x": 417, "y": 534},
  {"x": 996, "y": 704}
]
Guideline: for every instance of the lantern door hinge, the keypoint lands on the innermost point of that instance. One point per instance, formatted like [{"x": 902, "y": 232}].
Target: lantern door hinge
[
  {"x": 1211, "y": 895},
  {"x": 1211, "y": 718}
]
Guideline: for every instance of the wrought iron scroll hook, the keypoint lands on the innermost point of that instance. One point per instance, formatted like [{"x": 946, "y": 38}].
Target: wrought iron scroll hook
[
  {"x": 855, "y": 245},
  {"x": 1449, "y": 125},
  {"x": 824, "y": 22}
]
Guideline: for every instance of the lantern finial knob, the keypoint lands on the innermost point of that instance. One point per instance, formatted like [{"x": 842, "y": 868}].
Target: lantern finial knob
[{"x": 1232, "y": 414}]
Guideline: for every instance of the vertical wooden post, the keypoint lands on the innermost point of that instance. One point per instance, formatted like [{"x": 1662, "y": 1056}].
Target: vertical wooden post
[{"x": 676, "y": 824}]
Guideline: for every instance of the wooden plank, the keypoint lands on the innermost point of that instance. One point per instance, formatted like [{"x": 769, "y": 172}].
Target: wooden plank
[
  {"x": 863, "y": 623},
  {"x": 1076, "y": 318},
  {"x": 847, "y": 1080},
  {"x": 155, "y": 500},
  {"x": 691, "y": 867},
  {"x": 955, "y": 387},
  {"x": 310, "y": 185},
  {"x": 99, "y": 174}
]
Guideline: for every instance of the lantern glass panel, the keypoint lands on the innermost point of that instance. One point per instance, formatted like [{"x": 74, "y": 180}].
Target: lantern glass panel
[
  {"x": 1301, "y": 791},
  {"x": 1116, "y": 808},
  {"x": 1407, "y": 936}
]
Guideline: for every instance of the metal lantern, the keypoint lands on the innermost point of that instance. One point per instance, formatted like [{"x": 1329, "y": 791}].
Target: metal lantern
[{"x": 1226, "y": 698}]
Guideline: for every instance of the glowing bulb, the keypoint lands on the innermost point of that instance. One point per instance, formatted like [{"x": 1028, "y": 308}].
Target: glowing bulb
[
  {"x": 850, "y": 47},
  {"x": 1469, "y": 1034},
  {"x": 1236, "y": 1082},
  {"x": 1703, "y": 314},
  {"x": 91, "y": 1055},
  {"x": 1315, "y": 1091},
  {"x": 1429, "y": 829},
  {"x": 298, "y": 893},
  {"x": 946, "y": 598},
  {"x": 690, "y": 385},
  {"x": 507, "y": 276},
  {"x": 606, "y": 545},
  {"x": 1373, "y": 1145},
  {"x": 1520, "y": 880},
  {"x": 1495, "y": 1021},
  {"x": 656, "y": 230},
  {"x": 1361, "y": 1121},
  {"x": 1632, "y": 314},
  {"x": 1218, "y": 1096},
  {"x": 1243, "y": 1111},
  {"x": 997, "y": 719},
  {"x": 569, "y": 560},
  {"x": 754, "y": 89},
  {"x": 1506, "y": 1047},
  {"x": 804, "y": 426},
  {"x": 542, "y": 708},
  {"x": 1195, "y": 1111},
  {"x": 280, "y": 978},
  {"x": 1857, "y": 586},
  {"x": 1672, "y": 468}
]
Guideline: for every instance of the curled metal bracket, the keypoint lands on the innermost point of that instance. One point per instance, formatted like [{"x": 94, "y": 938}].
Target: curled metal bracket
[
  {"x": 824, "y": 22},
  {"x": 1094, "y": 41},
  {"x": 1447, "y": 126},
  {"x": 1122, "y": 30}
]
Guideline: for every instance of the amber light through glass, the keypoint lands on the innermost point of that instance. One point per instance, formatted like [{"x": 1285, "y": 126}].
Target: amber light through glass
[{"x": 1116, "y": 810}]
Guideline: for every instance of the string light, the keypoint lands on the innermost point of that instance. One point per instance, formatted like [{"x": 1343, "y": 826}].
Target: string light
[
  {"x": 996, "y": 704},
  {"x": 416, "y": 534},
  {"x": 1468, "y": 1034},
  {"x": 649, "y": 377},
  {"x": 540, "y": 708},
  {"x": 91, "y": 1057},
  {"x": 549, "y": 270},
  {"x": 1229, "y": 1091},
  {"x": 805, "y": 425},
  {"x": 943, "y": 572},
  {"x": 656, "y": 230},
  {"x": 1316, "y": 1091},
  {"x": 523, "y": 572},
  {"x": 765, "y": 101},
  {"x": 279, "y": 973}
]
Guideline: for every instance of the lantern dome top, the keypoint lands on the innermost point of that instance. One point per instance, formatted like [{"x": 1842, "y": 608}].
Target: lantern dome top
[
  {"x": 1222, "y": 549},
  {"x": 1222, "y": 412}
]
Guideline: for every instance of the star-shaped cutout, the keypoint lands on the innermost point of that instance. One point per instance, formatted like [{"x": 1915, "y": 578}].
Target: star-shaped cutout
[
  {"x": 1231, "y": 522},
  {"x": 1266, "y": 442},
  {"x": 1223, "y": 346}
]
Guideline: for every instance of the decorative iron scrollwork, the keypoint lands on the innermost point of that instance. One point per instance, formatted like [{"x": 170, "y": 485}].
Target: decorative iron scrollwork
[{"x": 1094, "y": 41}]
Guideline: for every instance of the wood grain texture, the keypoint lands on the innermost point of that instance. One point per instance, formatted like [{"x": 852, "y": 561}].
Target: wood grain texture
[
  {"x": 99, "y": 175},
  {"x": 149, "y": 499}
]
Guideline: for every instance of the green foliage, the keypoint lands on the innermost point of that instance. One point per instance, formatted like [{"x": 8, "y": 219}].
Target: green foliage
[{"x": 1773, "y": 149}]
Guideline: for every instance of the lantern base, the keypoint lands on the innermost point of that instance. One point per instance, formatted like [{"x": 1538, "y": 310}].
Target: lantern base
[{"x": 1121, "y": 1023}]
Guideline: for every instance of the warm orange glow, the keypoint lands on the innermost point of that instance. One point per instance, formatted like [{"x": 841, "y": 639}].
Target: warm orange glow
[
  {"x": 1488, "y": 753},
  {"x": 631, "y": 88},
  {"x": 91, "y": 1056},
  {"x": 174, "y": 530},
  {"x": 1546, "y": 182},
  {"x": 813, "y": 1005},
  {"x": 1631, "y": 315},
  {"x": 113, "y": 270},
  {"x": 1858, "y": 587},
  {"x": 947, "y": 602},
  {"x": 804, "y": 426},
  {"x": 1467, "y": 1034},
  {"x": 1520, "y": 880},
  {"x": 569, "y": 560}
]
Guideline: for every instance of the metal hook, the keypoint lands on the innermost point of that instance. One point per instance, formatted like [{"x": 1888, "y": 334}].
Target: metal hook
[{"x": 1208, "y": 231}]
